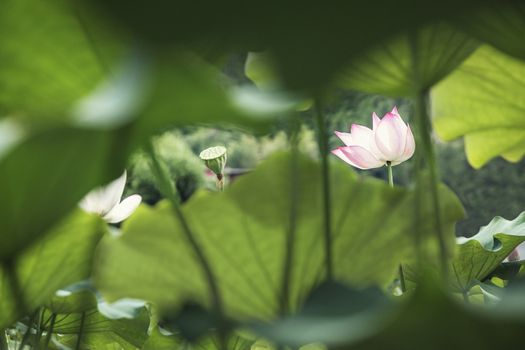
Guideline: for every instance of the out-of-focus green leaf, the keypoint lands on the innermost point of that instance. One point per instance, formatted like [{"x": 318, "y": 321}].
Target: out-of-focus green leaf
[
  {"x": 433, "y": 320},
  {"x": 98, "y": 332},
  {"x": 500, "y": 24},
  {"x": 45, "y": 67},
  {"x": 482, "y": 101},
  {"x": 159, "y": 341},
  {"x": 243, "y": 238},
  {"x": 507, "y": 270},
  {"x": 480, "y": 254},
  {"x": 43, "y": 178},
  {"x": 67, "y": 303},
  {"x": 332, "y": 314},
  {"x": 186, "y": 90},
  {"x": 75, "y": 77},
  {"x": 410, "y": 62},
  {"x": 310, "y": 41},
  {"x": 260, "y": 69},
  {"x": 60, "y": 258}
]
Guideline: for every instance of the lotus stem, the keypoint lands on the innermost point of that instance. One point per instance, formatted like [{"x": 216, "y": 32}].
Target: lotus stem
[
  {"x": 325, "y": 174},
  {"x": 168, "y": 190},
  {"x": 80, "y": 331}
]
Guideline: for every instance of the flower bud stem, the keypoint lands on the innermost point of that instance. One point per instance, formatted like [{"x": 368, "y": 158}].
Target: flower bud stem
[
  {"x": 168, "y": 190},
  {"x": 390, "y": 174},
  {"x": 220, "y": 182},
  {"x": 391, "y": 183}
]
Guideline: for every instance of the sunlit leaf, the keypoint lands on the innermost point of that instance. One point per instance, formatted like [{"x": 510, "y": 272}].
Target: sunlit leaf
[
  {"x": 159, "y": 341},
  {"x": 243, "y": 238},
  {"x": 482, "y": 101},
  {"x": 99, "y": 331},
  {"x": 62, "y": 257},
  {"x": 480, "y": 254},
  {"x": 410, "y": 62}
]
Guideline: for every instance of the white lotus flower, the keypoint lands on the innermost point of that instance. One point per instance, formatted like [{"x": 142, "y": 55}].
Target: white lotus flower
[{"x": 105, "y": 201}]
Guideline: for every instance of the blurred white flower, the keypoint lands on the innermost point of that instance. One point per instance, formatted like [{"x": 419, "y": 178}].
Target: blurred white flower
[{"x": 105, "y": 201}]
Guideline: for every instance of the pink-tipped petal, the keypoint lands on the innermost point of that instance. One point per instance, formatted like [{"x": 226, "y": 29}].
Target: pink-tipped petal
[
  {"x": 339, "y": 153},
  {"x": 375, "y": 120},
  {"x": 390, "y": 136},
  {"x": 361, "y": 157},
  {"x": 123, "y": 210},
  {"x": 394, "y": 110},
  {"x": 345, "y": 137},
  {"x": 410, "y": 146}
]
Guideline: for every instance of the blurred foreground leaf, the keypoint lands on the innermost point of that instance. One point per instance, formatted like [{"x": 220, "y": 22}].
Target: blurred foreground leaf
[
  {"x": 45, "y": 68},
  {"x": 433, "y": 320},
  {"x": 159, "y": 341},
  {"x": 500, "y": 24},
  {"x": 62, "y": 257},
  {"x": 332, "y": 314},
  {"x": 483, "y": 102},
  {"x": 311, "y": 41},
  {"x": 43, "y": 178}
]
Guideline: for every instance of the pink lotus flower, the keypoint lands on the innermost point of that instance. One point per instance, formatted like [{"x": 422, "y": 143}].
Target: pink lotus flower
[{"x": 389, "y": 141}]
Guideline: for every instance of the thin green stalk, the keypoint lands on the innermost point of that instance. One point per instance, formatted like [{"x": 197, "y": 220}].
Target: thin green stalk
[
  {"x": 27, "y": 334},
  {"x": 421, "y": 100},
  {"x": 325, "y": 174},
  {"x": 16, "y": 290},
  {"x": 400, "y": 269},
  {"x": 465, "y": 297},
  {"x": 50, "y": 330},
  {"x": 425, "y": 130},
  {"x": 40, "y": 326},
  {"x": 168, "y": 190},
  {"x": 80, "y": 331},
  {"x": 390, "y": 174},
  {"x": 3, "y": 341},
  {"x": 290, "y": 235}
]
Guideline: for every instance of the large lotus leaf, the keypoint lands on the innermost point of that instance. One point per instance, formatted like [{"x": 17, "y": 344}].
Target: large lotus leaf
[
  {"x": 411, "y": 61},
  {"x": 433, "y": 320},
  {"x": 500, "y": 24},
  {"x": 480, "y": 254},
  {"x": 242, "y": 232},
  {"x": 60, "y": 258},
  {"x": 483, "y": 101},
  {"x": 99, "y": 332},
  {"x": 45, "y": 176},
  {"x": 311, "y": 41}
]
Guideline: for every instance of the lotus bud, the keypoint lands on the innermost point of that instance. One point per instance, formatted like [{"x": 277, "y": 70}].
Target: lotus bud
[{"x": 215, "y": 159}]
